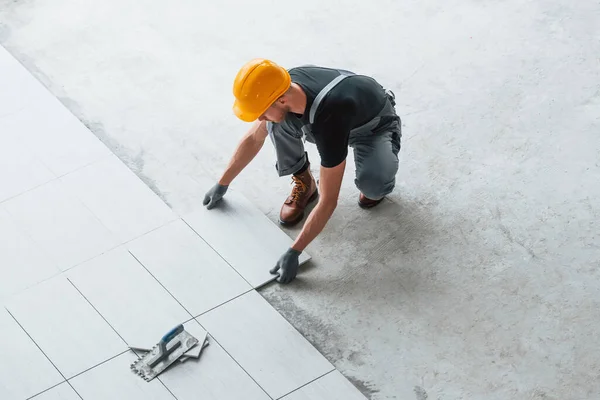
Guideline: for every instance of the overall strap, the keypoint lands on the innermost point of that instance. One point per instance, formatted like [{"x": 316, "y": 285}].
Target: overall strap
[{"x": 323, "y": 93}]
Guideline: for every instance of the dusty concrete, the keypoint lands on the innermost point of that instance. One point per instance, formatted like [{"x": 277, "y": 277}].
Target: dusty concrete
[{"x": 479, "y": 278}]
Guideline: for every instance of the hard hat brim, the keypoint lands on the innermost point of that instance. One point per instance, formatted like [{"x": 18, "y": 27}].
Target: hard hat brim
[{"x": 244, "y": 114}]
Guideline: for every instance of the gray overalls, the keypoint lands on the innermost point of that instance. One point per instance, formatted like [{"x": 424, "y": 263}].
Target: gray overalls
[{"x": 375, "y": 147}]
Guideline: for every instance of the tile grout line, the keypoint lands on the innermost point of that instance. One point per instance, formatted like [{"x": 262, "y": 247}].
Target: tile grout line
[
  {"x": 114, "y": 235},
  {"x": 115, "y": 247},
  {"x": 95, "y": 309},
  {"x": 72, "y": 387},
  {"x": 236, "y": 361},
  {"x": 97, "y": 365},
  {"x": 222, "y": 304},
  {"x": 213, "y": 249},
  {"x": 307, "y": 383},
  {"x": 160, "y": 283},
  {"x": 46, "y": 390},
  {"x": 56, "y": 177},
  {"x": 89, "y": 164},
  {"x": 111, "y": 327},
  {"x": 30, "y": 189},
  {"x": 105, "y": 320},
  {"x": 166, "y": 387},
  {"x": 38, "y": 346}
]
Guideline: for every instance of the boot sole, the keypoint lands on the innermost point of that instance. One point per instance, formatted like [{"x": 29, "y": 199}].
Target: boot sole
[
  {"x": 301, "y": 216},
  {"x": 369, "y": 205}
]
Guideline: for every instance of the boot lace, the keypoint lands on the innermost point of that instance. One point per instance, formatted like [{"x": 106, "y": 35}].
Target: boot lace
[{"x": 299, "y": 188}]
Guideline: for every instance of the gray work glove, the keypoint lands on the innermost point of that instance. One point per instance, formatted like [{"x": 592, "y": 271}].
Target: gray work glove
[
  {"x": 214, "y": 195},
  {"x": 288, "y": 263}
]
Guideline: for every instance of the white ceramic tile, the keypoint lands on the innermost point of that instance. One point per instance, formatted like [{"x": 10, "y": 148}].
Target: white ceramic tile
[
  {"x": 115, "y": 380},
  {"x": 22, "y": 262},
  {"x": 18, "y": 87},
  {"x": 128, "y": 297},
  {"x": 333, "y": 386},
  {"x": 63, "y": 227},
  {"x": 214, "y": 376},
  {"x": 39, "y": 122},
  {"x": 277, "y": 356},
  {"x": 24, "y": 370},
  {"x": 120, "y": 200},
  {"x": 55, "y": 136},
  {"x": 197, "y": 276},
  {"x": 65, "y": 326},
  {"x": 20, "y": 170},
  {"x": 61, "y": 392},
  {"x": 244, "y": 236}
]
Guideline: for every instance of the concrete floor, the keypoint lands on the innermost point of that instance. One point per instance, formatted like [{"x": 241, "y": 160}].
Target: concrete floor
[{"x": 479, "y": 278}]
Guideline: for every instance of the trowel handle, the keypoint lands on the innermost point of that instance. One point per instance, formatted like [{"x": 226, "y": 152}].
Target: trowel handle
[
  {"x": 172, "y": 333},
  {"x": 167, "y": 338}
]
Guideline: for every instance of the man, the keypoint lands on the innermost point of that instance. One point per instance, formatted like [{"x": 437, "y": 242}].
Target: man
[{"x": 334, "y": 109}]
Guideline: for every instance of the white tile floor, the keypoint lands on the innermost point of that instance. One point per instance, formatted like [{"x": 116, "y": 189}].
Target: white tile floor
[
  {"x": 92, "y": 261},
  {"x": 64, "y": 391},
  {"x": 188, "y": 268}
]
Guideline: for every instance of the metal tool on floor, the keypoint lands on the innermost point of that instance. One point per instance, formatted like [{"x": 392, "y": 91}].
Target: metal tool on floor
[
  {"x": 194, "y": 352},
  {"x": 176, "y": 345}
]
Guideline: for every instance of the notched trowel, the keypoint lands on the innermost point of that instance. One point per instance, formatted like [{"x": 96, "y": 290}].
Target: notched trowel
[{"x": 170, "y": 348}]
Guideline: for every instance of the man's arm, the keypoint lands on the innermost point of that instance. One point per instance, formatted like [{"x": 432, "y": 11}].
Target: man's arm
[
  {"x": 330, "y": 182},
  {"x": 247, "y": 148}
]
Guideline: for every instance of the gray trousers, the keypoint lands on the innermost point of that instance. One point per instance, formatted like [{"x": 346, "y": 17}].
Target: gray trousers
[{"x": 375, "y": 148}]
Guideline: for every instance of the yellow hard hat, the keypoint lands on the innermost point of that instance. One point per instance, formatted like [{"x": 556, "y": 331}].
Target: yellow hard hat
[{"x": 257, "y": 85}]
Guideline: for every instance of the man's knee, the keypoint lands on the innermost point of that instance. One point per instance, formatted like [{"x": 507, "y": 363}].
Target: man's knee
[{"x": 376, "y": 184}]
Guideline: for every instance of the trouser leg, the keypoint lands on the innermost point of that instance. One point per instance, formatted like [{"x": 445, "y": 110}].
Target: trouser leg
[
  {"x": 376, "y": 159},
  {"x": 289, "y": 148}
]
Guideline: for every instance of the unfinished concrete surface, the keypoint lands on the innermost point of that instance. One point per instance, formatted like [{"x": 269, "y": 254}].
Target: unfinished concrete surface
[{"x": 479, "y": 278}]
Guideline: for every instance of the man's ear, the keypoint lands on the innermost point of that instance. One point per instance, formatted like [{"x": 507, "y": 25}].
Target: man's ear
[{"x": 284, "y": 98}]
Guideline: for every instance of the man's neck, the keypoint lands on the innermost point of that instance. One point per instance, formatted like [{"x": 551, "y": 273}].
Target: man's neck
[{"x": 297, "y": 99}]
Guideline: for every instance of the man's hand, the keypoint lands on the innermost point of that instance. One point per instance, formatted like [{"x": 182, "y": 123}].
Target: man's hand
[
  {"x": 214, "y": 195},
  {"x": 288, "y": 263}
]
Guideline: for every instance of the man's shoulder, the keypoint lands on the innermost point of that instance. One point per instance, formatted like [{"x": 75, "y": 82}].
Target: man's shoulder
[
  {"x": 303, "y": 67},
  {"x": 313, "y": 68}
]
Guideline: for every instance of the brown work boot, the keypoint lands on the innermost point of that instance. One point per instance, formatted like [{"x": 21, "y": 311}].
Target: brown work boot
[
  {"x": 304, "y": 192},
  {"x": 365, "y": 202}
]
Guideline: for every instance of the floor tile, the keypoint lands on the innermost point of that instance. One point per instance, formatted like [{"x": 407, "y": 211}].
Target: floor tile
[
  {"x": 61, "y": 392},
  {"x": 115, "y": 380},
  {"x": 20, "y": 170},
  {"x": 194, "y": 273},
  {"x": 24, "y": 369},
  {"x": 22, "y": 261},
  {"x": 30, "y": 112},
  {"x": 63, "y": 227},
  {"x": 56, "y": 137},
  {"x": 65, "y": 326},
  {"x": 277, "y": 356},
  {"x": 243, "y": 236},
  {"x": 18, "y": 87},
  {"x": 120, "y": 200},
  {"x": 333, "y": 386},
  {"x": 214, "y": 376},
  {"x": 128, "y": 297}
]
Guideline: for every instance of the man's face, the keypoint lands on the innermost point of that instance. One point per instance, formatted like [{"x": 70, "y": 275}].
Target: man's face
[{"x": 275, "y": 113}]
